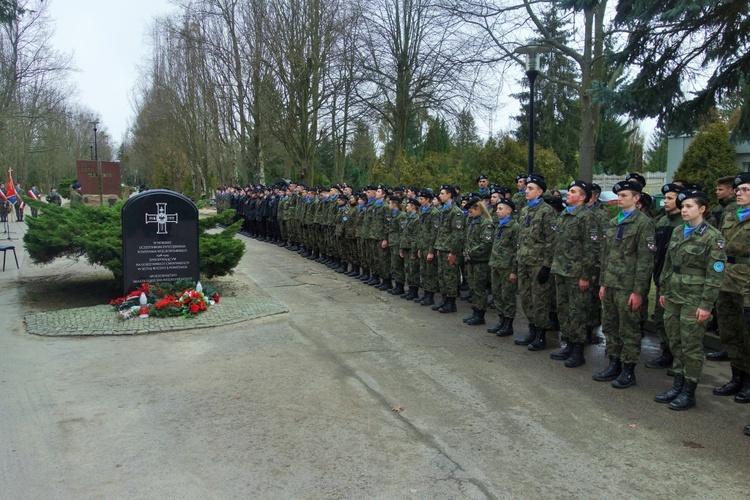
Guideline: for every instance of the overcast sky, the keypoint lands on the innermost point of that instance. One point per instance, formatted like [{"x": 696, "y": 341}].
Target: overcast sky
[{"x": 107, "y": 41}]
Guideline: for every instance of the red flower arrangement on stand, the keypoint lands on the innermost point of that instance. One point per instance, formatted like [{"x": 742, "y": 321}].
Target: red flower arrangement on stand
[{"x": 163, "y": 301}]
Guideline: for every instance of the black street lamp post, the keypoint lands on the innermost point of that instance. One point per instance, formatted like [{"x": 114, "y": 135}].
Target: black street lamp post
[
  {"x": 532, "y": 53},
  {"x": 98, "y": 166}
]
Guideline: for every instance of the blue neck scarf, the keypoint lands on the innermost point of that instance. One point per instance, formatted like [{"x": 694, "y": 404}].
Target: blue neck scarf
[
  {"x": 504, "y": 221},
  {"x": 742, "y": 213},
  {"x": 534, "y": 203},
  {"x": 623, "y": 215},
  {"x": 687, "y": 230}
]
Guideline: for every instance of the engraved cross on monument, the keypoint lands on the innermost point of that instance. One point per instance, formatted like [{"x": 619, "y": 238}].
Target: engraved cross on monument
[{"x": 161, "y": 217}]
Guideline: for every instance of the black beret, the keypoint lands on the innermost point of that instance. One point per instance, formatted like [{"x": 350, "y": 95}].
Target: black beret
[
  {"x": 520, "y": 176},
  {"x": 538, "y": 180},
  {"x": 692, "y": 185},
  {"x": 481, "y": 176},
  {"x": 636, "y": 177},
  {"x": 370, "y": 187},
  {"x": 672, "y": 188},
  {"x": 627, "y": 186},
  {"x": 692, "y": 193},
  {"x": 413, "y": 201},
  {"x": 741, "y": 179},
  {"x": 583, "y": 185},
  {"x": 507, "y": 201},
  {"x": 426, "y": 193},
  {"x": 596, "y": 188},
  {"x": 646, "y": 200},
  {"x": 471, "y": 202},
  {"x": 449, "y": 189},
  {"x": 396, "y": 199},
  {"x": 484, "y": 196}
]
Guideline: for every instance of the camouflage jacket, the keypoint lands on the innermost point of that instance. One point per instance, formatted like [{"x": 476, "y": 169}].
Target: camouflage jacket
[
  {"x": 450, "y": 230},
  {"x": 341, "y": 217},
  {"x": 478, "y": 242},
  {"x": 694, "y": 266},
  {"x": 536, "y": 235},
  {"x": 350, "y": 223},
  {"x": 627, "y": 253},
  {"x": 395, "y": 222},
  {"x": 409, "y": 230},
  {"x": 428, "y": 222},
  {"x": 379, "y": 222},
  {"x": 737, "y": 236},
  {"x": 365, "y": 220},
  {"x": 663, "y": 231},
  {"x": 576, "y": 239},
  {"x": 505, "y": 246}
]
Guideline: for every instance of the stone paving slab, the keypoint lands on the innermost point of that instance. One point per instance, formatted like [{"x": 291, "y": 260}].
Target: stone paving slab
[{"x": 103, "y": 320}]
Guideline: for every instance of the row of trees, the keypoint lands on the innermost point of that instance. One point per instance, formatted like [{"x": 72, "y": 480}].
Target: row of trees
[
  {"x": 42, "y": 129},
  {"x": 328, "y": 90}
]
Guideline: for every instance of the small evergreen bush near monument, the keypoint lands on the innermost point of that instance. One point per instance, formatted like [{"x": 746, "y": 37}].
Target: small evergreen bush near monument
[{"x": 96, "y": 234}]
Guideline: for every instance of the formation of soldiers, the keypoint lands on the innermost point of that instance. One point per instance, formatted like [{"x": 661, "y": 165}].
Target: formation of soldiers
[{"x": 573, "y": 266}]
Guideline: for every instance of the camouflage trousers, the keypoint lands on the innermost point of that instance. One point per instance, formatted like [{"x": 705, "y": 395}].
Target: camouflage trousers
[
  {"x": 685, "y": 339},
  {"x": 504, "y": 292},
  {"x": 572, "y": 308},
  {"x": 411, "y": 267},
  {"x": 429, "y": 272},
  {"x": 621, "y": 326},
  {"x": 478, "y": 277},
  {"x": 536, "y": 299},
  {"x": 595, "y": 305},
  {"x": 381, "y": 259},
  {"x": 447, "y": 275},
  {"x": 397, "y": 265},
  {"x": 732, "y": 330}
]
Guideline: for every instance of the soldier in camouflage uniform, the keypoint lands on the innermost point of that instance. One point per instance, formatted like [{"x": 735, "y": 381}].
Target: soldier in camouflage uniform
[
  {"x": 428, "y": 223},
  {"x": 408, "y": 247},
  {"x": 601, "y": 215},
  {"x": 360, "y": 235},
  {"x": 339, "y": 240},
  {"x": 519, "y": 199},
  {"x": 689, "y": 287},
  {"x": 573, "y": 266},
  {"x": 395, "y": 220},
  {"x": 664, "y": 227},
  {"x": 350, "y": 233},
  {"x": 536, "y": 240},
  {"x": 627, "y": 260},
  {"x": 448, "y": 245},
  {"x": 503, "y": 265},
  {"x": 378, "y": 241},
  {"x": 480, "y": 231},
  {"x": 734, "y": 334}
]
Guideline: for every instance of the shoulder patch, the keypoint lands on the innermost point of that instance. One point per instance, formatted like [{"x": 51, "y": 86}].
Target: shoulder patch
[
  {"x": 720, "y": 245},
  {"x": 718, "y": 266}
]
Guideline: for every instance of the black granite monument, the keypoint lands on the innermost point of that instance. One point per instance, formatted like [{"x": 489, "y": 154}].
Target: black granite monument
[{"x": 159, "y": 239}]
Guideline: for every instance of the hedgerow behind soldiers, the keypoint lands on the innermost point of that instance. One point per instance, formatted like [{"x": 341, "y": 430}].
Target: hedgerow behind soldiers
[
  {"x": 663, "y": 232},
  {"x": 734, "y": 295},
  {"x": 689, "y": 287},
  {"x": 504, "y": 270},
  {"x": 477, "y": 249},
  {"x": 536, "y": 239},
  {"x": 573, "y": 265},
  {"x": 627, "y": 260},
  {"x": 448, "y": 245}
]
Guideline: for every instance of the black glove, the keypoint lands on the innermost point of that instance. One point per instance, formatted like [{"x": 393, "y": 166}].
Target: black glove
[
  {"x": 543, "y": 276},
  {"x": 747, "y": 316}
]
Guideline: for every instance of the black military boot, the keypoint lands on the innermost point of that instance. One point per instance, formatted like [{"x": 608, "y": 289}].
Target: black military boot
[
  {"x": 540, "y": 341},
  {"x": 354, "y": 272},
  {"x": 365, "y": 276},
  {"x": 686, "y": 399},
  {"x": 609, "y": 373},
  {"x": 412, "y": 293},
  {"x": 564, "y": 353},
  {"x": 626, "y": 378},
  {"x": 398, "y": 289},
  {"x": 499, "y": 325},
  {"x": 478, "y": 319},
  {"x": 576, "y": 358},
  {"x": 668, "y": 396},
  {"x": 529, "y": 338},
  {"x": 428, "y": 300},
  {"x": 420, "y": 298},
  {"x": 374, "y": 280},
  {"x": 343, "y": 268},
  {"x": 385, "y": 285},
  {"x": 473, "y": 313},
  {"x": 720, "y": 355},
  {"x": 449, "y": 306},
  {"x": 440, "y": 304},
  {"x": 663, "y": 361},
  {"x": 733, "y": 386},
  {"x": 743, "y": 397},
  {"x": 507, "y": 329}
]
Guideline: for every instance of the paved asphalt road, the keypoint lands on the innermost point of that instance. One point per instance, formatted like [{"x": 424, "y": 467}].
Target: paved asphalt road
[{"x": 301, "y": 405}]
